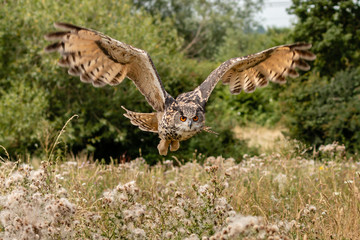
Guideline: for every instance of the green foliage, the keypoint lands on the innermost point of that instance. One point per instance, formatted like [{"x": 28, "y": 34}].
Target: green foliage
[
  {"x": 333, "y": 28},
  {"x": 324, "y": 108},
  {"x": 321, "y": 110},
  {"x": 22, "y": 115},
  {"x": 204, "y": 23},
  {"x": 240, "y": 43},
  {"x": 50, "y": 96}
]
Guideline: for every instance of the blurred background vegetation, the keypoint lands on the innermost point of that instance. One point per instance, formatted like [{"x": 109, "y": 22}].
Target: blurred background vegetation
[{"x": 187, "y": 39}]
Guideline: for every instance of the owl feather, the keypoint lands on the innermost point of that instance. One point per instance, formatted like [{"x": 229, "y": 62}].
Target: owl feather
[
  {"x": 256, "y": 70},
  {"x": 101, "y": 60}
]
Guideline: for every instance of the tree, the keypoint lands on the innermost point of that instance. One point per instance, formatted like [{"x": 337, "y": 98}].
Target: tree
[
  {"x": 333, "y": 27},
  {"x": 203, "y": 24},
  {"x": 322, "y": 106}
]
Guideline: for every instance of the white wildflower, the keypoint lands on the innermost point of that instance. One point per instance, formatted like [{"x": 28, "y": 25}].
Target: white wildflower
[
  {"x": 312, "y": 208},
  {"x": 13, "y": 179},
  {"x": 37, "y": 175},
  {"x": 59, "y": 177},
  {"x": 71, "y": 163},
  {"x": 221, "y": 201},
  {"x": 177, "y": 211},
  {"x": 203, "y": 189},
  {"x": 168, "y": 235},
  {"x": 171, "y": 184},
  {"x": 239, "y": 224},
  {"x": 192, "y": 237},
  {"x": 139, "y": 233},
  {"x": 281, "y": 179}
]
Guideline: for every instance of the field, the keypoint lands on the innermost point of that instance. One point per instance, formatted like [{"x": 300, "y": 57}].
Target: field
[{"x": 295, "y": 193}]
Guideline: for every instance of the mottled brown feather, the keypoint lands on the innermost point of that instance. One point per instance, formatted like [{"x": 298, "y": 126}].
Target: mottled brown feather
[
  {"x": 101, "y": 60},
  {"x": 145, "y": 121},
  {"x": 253, "y": 71}
]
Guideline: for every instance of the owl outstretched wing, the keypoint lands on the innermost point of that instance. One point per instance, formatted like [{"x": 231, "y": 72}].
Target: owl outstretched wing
[
  {"x": 256, "y": 70},
  {"x": 101, "y": 60}
]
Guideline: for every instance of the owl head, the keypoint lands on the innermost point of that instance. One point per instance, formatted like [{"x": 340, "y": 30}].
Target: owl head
[{"x": 190, "y": 117}]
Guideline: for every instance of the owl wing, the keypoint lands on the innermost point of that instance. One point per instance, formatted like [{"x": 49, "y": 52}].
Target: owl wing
[
  {"x": 101, "y": 60},
  {"x": 256, "y": 70},
  {"x": 145, "y": 121}
]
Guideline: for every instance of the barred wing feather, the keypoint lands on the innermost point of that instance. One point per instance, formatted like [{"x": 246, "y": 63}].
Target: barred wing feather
[{"x": 101, "y": 60}]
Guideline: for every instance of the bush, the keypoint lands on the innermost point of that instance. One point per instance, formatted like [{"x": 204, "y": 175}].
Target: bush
[
  {"x": 321, "y": 110},
  {"x": 53, "y": 96},
  {"x": 22, "y": 115}
]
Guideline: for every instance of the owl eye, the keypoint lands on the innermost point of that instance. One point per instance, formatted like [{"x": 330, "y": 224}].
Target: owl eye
[
  {"x": 195, "y": 119},
  {"x": 182, "y": 118}
]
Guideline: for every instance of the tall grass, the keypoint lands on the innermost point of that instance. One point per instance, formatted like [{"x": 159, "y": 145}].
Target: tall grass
[{"x": 285, "y": 195}]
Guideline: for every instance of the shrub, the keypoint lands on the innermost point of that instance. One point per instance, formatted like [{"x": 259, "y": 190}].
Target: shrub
[
  {"x": 22, "y": 115},
  {"x": 322, "y": 110}
]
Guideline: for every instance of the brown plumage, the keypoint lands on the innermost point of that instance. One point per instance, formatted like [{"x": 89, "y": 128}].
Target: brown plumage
[
  {"x": 101, "y": 60},
  {"x": 145, "y": 121}
]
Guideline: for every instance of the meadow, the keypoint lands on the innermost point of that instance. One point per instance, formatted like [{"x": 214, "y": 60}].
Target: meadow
[
  {"x": 295, "y": 193},
  {"x": 248, "y": 182}
]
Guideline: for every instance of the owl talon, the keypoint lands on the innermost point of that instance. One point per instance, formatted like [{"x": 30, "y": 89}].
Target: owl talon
[
  {"x": 174, "y": 146},
  {"x": 163, "y": 147}
]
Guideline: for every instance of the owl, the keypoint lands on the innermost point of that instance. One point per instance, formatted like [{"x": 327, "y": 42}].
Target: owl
[{"x": 102, "y": 60}]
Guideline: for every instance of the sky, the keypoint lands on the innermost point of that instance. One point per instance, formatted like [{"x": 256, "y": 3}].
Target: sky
[{"x": 274, "y": 14}]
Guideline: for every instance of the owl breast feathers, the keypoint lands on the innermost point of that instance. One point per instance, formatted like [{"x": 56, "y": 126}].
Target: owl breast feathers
[{"x": 101, "y": 60}]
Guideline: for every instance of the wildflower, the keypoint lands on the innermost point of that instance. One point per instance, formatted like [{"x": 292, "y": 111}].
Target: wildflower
[
  {"x": 177, "y": 211},
  {"x": 139, "y": 233},
  {"x": 168, "y": 163},
  {"x": 71, "y": 163},
  {"x": 178, "y": 194},
  {"x": 281, "y": 179},
  {"x": 168, "y": 235},
  {"x": 239, "y": 224},
  {"x": 192, "y": 237},
  {"x": 13, "y": 179},
  {"x": 221, "y": 201},
  {"x": 171, "y": 184},
  {"x": 59, "y": 177},
  {"x": 37, "y": 175},
  {"x": 312, "y": 208},
  {"x": 203, "y": 189}
]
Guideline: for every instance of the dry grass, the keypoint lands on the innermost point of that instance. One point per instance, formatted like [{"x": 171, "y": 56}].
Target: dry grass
[
  {"x": 265, "y": 138},
  {"x": 286, "y": 195}
]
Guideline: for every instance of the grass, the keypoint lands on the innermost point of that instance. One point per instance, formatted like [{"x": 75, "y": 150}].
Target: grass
[
  {"x": 264, "y": 138},
  {"x": 285, "y": 195}
]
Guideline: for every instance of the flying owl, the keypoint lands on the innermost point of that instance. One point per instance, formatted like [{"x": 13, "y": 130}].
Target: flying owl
[{"x": 101, "y": 60}]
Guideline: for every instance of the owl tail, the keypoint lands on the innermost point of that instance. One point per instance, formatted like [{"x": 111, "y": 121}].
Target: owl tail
[
  {"x": 208, "y": 129},
  {"x": 145, "y": 121}
]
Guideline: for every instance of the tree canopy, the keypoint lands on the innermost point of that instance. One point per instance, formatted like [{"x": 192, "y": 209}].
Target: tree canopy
[
  {"x": 203, "y": 24},
  {"x": 323, "y": 106},
  {"x": 334, "y": 29}
]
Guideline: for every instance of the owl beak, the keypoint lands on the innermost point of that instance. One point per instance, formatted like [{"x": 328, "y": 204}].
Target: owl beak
[{"x": 190, "y": 123}]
